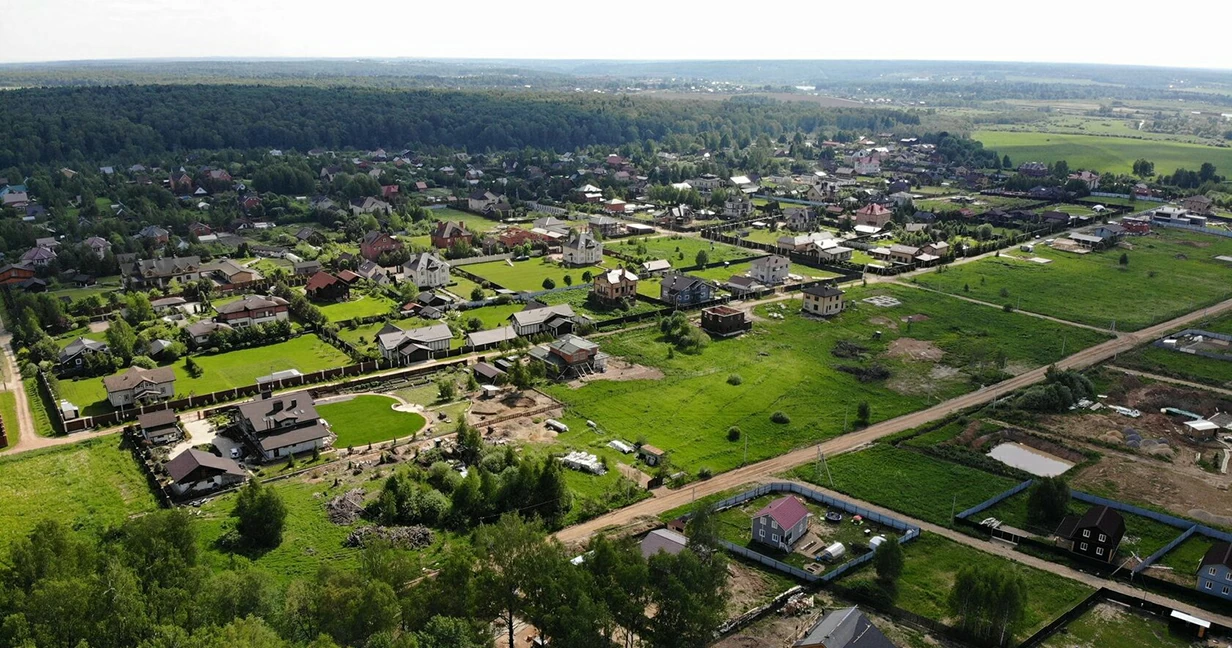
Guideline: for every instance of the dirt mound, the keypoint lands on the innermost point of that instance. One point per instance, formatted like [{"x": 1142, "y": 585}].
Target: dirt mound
[
  {"x": 620, "y": 370},
  {"x": 347, "y": 507},
  {"x": 407, "y": 537},
  {"x": 918, "y": 350},
  {"x": 883, "y": 321}
]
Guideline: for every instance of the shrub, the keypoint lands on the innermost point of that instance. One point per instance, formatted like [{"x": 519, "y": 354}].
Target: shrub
[
  {"x": 780, "y": 417},
  {"x": 734, "y": 379},
  {"x": 1005, "y": 292},
  {"x": 1009, "y": 308},
  {"x": 704, "y": 473},
  {"x": 733, "y": 433}
]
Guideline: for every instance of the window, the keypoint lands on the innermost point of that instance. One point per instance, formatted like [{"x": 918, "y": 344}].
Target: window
[
  {"x": 1086, "y": 533},
  {"x": 1208, "y": 584},
  {"x": 1211, "y": 571},
  {"x": 1083, "y": 547},
  {"x": 775, "y": 537},
  {"x": 1102, "y": 537},
  {"x": 1225, "y": 590},
  {"x": 1099, "y": 551},
  {"x": 761, "y": 533},
  {"x": 774, "y": 525}
]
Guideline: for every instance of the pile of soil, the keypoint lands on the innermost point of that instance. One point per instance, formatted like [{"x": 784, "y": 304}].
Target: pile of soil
[{"x": 405, "y": 537}]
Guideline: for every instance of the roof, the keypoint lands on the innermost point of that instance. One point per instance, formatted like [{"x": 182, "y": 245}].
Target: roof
[
  {"x": 293, "y": 437},
  {"x": 1220, "y": 553},
  {"x": 168, "y": 266},
  {"x": 677, "y": 282},
  {"x": 1085, "y": 238},
  {"x": 1097, "y": 517},
  {"x": 425, "y": 261},
  {"x": 615, "y": 276},
  {"x": 251, "y": 303},
  {"x": 787, "y": 511},
  {"x": 663, "y": 540},
  {"x": 135, "y": 376},
  {"x": 81, "y": 344},
  {"x": 321, "y": 280},
  {"x": 844, "y": 628},
  {"x": 427, "y": 334},
  {"x": 297, "y": 406},
  {"x": 820, "y": 290},
  {"x": 450, "y": 229},
  {"x": 487, "y": 371},
  {"x": 205, "y": 327},
  {"x": 159, "y": 419},
  {"x": 187, "y": 462},
  {"x": 581, "y": 241},
  {"x": 168, "y": 301},
  {"x": 533, "y": 316},
  {"x": 493, "y": 336},
  {"x": 657, "y": 265},
  {"x": 570, "y": 344},
  {"x": 651, "y": 450}
]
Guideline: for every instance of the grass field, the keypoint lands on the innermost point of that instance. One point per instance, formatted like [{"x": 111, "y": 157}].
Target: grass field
[
  {"x": 1167, "y": 275},
  {"x": 786, "y": 365},
  {"x": 681, "y": 250},
  {"x": 1105, "y": 154},
  {"x": 1113, "y": 626},
  {"x": 40, "y": 407},
  {"x": 1168, "y": 362},
  {"x": 496, "y": 315},
  {"x": 1143, "y": 535},
  {"x": 880, "y": 473},
  {"x": 361, "y": 306},
  {"x": 462, "y": 287},
  {"x": 1185, "y": 558},
  {"x": 369, "y": 419},
  {"x": 473, "y": 222},
  {"x": 89, "y": 485},
  {"x": 528, "y": 275},
  {"x": 8, "y": 414},
  {"x": 308, "y": 353}
]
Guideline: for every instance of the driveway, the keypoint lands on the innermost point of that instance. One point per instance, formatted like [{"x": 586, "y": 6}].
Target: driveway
[{"x": 202, "y": 432}]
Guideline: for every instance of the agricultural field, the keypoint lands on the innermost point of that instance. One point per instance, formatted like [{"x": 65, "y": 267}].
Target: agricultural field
[
  {"x": 528, "y": 275},
  {"x": 680, "y": 250},
  {"x": 308, "y": 353},
  {"x": 782, "y": 365},
  {"x": 1108, "y": 625},
  {"x": 878, "y": 474},
  {"x": 1104, "y": 154},
  {"x": 1167, "y": 275},
  {"x": 91, "y": 485},
  {"x": 359, "y": 306},
  {"x": 366, "y": 419}
]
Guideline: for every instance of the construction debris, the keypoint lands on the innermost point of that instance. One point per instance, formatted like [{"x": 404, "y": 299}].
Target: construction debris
[
  {"x": 404, "y": 537},
  {"x": 347, "y": 507}
]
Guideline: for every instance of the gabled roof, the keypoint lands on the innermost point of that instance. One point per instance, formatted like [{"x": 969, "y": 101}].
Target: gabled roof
[
  {"x": 155, "y": 420},
  {"x": 135, "y": 376},
  {"x": 205, "y": 327},
  {"x": 189, "y": 461},
  {"x": 294, "y": 437},
  {"x": 1100, "y": 517},
  {"x": 533, "y": 316},
  {"x": 251, "y": 303},
  {"x": 297, "y": 406},
  {"x": 1220, "y": 553},
  {"x": 168, "y": 266},
  {"x": 676, "y": 282},
  {"x": 616, "y": 275},
  {"x": 321, "y": 280},
  {"x": 844, "y": 628},
  {"x": 425, "y": 261},
  {"x": 450, "y": 229},
  {"x": 397, "y": 338},
  {"x": 786, "y": 511},
  {"x": 492, "y": 336},
  {"x": 663, "y": 540}
]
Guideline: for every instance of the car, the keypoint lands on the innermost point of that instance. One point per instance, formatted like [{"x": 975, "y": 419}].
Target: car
[{"x": 235, "y": 453}]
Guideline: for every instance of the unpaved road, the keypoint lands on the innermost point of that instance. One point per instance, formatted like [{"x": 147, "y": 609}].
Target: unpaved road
[{"x": 1174, "y": 381}]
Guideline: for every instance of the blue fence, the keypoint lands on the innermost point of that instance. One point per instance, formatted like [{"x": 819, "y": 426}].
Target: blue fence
[
  {"x": 909, "y": 532},
  {"x": 1150, "y": 560},
  {"x": 996, "y": 499}
]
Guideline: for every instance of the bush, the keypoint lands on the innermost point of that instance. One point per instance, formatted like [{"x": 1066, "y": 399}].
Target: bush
[
  {"x": 733, "y": 433},
  {"x": 704, "y": 473},
  {"x": 780, "y": 417},
  {"x": 734, "y": 379},
  {"x": 1009, "y": 308}
]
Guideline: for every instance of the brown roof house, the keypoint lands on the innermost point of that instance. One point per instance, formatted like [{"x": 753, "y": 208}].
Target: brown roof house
[
  {"x": 324, "y": 286},
  {"x": 159, "y": 427},
  {"x": 570, "y": 355},
  {"x": 139, "y": 385},
  {"x": 284, "y": 425},
  {"x": 253, "y": 310},
  {"x": 374, "y": 244},
  {"x": 724, "y": 321},
  {"x": 194, "y": 471}
]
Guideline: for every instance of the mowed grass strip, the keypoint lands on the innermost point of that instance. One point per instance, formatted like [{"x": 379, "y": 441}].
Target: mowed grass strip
[
  {"x": 1104, "y": 154},
  {"x": 911, "y": 483},
  {"x": 369, "y": 419},
  {"x": 91, "y": 485},
  {"x": 1168, "y": 275},
  {"x": 307, "y": 353}
]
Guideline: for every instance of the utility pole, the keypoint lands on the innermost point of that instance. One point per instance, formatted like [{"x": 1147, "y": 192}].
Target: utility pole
[
  {"x": 1062, "y": 345},
  {"x": 953, "y": 505}
]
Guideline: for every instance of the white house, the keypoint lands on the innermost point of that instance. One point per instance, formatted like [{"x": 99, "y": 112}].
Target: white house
[
  {"x": 140, "y": 385},
  {"x": 195, "y": 471},
  {"x": 770, "y": 270},
  {"x": 582, "y": 250},
  {"x": 426, "y": 270},
  {"x": 415, "y": 344}
]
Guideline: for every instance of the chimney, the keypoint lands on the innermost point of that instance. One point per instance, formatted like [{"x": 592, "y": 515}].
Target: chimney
[
  {"x": 292, "y": 405},
  {"x": 277, "y": 407},
  {"x": 265, "y": 395}
]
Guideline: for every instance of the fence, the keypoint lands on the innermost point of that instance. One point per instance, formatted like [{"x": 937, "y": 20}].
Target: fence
[
  {"x": 1195, "y": 228},
  {"x": 479, "y": 259},
  {"x": 995, "y": 499},
  {"x": 1073, "y": 613}
]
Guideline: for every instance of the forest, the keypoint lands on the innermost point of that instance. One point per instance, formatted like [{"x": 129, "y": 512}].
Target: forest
[{"x": 123, "y": 123}]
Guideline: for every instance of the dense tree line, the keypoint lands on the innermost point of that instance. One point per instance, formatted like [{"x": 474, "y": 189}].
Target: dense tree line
[{"x": 46, "y": 125}]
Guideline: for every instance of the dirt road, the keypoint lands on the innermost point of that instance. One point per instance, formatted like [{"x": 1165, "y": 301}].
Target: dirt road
[
  {"x": 1174, "y": 381},
  {"x": 666, "y": 500},
  {"x": 24, "y": 437}
]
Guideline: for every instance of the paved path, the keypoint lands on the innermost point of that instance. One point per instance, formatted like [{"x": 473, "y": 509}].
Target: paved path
[{"x": 1175, "y": 381}]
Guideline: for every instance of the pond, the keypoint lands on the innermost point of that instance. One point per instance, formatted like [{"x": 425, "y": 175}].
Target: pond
[{"x": 1036, "y": 462}]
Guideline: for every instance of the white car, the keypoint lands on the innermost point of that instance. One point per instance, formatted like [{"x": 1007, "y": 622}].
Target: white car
[{"x": 235, "y": 453}]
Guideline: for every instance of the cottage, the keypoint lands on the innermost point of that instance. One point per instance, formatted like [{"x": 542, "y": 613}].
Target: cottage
[
  {"x": 781, "y": 523},
  {"x": 651, "y": 455},
  {"x": 253, "y": 310},
  {"x": 1215, "y": 571},
  {"x": 230, "y": 272},
  {"x": 535, "y": 319},
  {"x": 15, "y": 274},
  {"x": 160, "y": 272},
  {"x": 325, "y": 287},
  {"x": 480, "y": 200},
  {"x": 487, "y": 374},
  {"x": 38, "y": 257},
  {"x": 737, "y": 206},
  {"x": 306, "y": 268},
  {"x": 1096, "y": 534},
  {"x": 139, "y": 385},
  {"x": 800, "y": 219},
  {"x": 426, "y": 270},
  {"x": 72, "y": 358},
  {"x": 844, "y": 628},
  {"x": 1200, "y": 205},
  {"x": 937, "y": 249},
  {"x": 822, "y": 300},
  {"x": 683, "y": 290},
  {"x": 98, "y": 246},
  {"x": 615, "y": 285},
  {"x": 478, "y": 340},
  {"x": 570, "y": 355},
  {"x": 280, "y": 426},
  {"x": 662, "y": 541},
  {"x": 1109, "y": 232},
  {"x": 159, "y": 427},
  {"x": 194, "y": 471},
  {"x": 200, "y": 332},
  {"x": 582, "y": 249},
  {"x": 903, "y": 253},
  {"x": 741, "y": 285},
  {"x": 724, "y": 321},
  {"x": 374, "y": 244},
  {"x": 872, "y": 215},
  {"x": 448, "y": 234},
  {"x": 415, "y": 344},
  {"x": 370, "y": 205},
  {"x": 770, "y": 270},
  {"x": 656, "y": 267},
  {"x": 606, "y": 226},
  {"x": 154, "y": 233}
]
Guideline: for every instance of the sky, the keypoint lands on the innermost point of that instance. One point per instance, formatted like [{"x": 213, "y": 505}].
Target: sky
[{"x": 1041, "y": 30}]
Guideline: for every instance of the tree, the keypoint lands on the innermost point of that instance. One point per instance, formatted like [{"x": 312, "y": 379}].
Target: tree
[
  {"x": 508, "y": 552},
  {"x": 888, "y": 560},
  {"x": 689, "y": 595},
  {"x": 1124, "y": 260},
  {"x": 863, "y": 412},
  {"x": 1143, "y": 168},
  {"x": 1206, "y": 173},
  {"x": 446, "y": 389},
  {"x": 138, "y": 308},
  {"x": 1048, "y": 501},
  {"x": 568, "y": 280},
  {"x": 988, "y": 603},
  {"x": 621, "y": 579},
  {"x": 121, "y": 339},
  {"x": 1005, "y": 163},
  {"x": 477, "y": 294},
  {"x": 260, "y": 515},
  {"x": 549, "y": 283},
  {"x": 193, "y": 368},
  {"x": 470, "y": 443},
  {"x": 703, "y": 257},
  {"x": 447, "y": 632}
]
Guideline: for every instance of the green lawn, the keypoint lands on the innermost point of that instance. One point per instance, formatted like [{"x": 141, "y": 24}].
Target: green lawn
[
  {"x": 1184, "y": 559},
  {"x": 787, "y": 365},
  {"x": 473, "y": 222},
  {"x": 8, "y": 414},
  {"x": 1185, "y": 366},
  {"x": 528, "y": 275},
  {"x": 369, "y": 419},
  {"x": 462, "y": 287},
  {"x": 494, "y": 316},
  {"x": 308, "y": 353},
  {"x": 40, "y": 407},
  {"x": 360, "y": 306},
  {"x": 1105, "y": 154},
  {"x": 1143, "y": 536},
  {"x": 1167, "y": 276},
  {"x": 681, "y": 250},
  {"x": 91, "y": 485},
  {"x": 880, "y": 475},
  {"x": 1113, "y": 626}
]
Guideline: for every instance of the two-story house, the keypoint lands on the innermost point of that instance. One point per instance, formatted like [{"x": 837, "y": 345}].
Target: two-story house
[
  {"x": 426, "y": 270},
  {"x": 448, "y": 234},
  {"x": 284, "y": 425},
  {"x": 770, "y": 270},
  {"x": 570, "y": 355},
  {"x": 98, "y": 246},
  {"x": 1215, "y": 571},
  {"x": 195, "y": 471},
  {"x": 413, "y": 345},
  {"x": 1096, "y": 534},
  {"x": 582, "y": 249},
  {"x": 822, "y": 300},
  {"x": 537, "y": 318},
  {"x": 480, "y": 200},
  {"x": 872, "y": 215},
  {"x": 680, "y": 289},
  {"x": 253, "y": 310},
  {"x": 374, "y": 244},
  {"x": 615, "y": 285},
  {"x": 781, "y": 523},
  {"x": 139, "y": 385},
  {"x": 162, "y": 426},
  {"x": 325, "y": 287},
  {"x": 72, "y": 358},
  {"x": 160, "y": 272}
]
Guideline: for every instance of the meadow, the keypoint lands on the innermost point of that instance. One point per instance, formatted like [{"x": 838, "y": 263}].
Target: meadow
[
  {"x": 92, "y": 485},
  {"x": 359, "y": 306},
  {"x": 1104, "y": 154},
  {"x": 528, "y": 275},
  {"x": 367, "y": 419},
  {"x": 786, "y": 365},
  {"x": 1114, "y": 626},
  {"x": 1166, "y": 275},
  {"x": 681, "y": 250},
  {"x": 307, "y": 353},
  {"x": 914, "y": 484}
]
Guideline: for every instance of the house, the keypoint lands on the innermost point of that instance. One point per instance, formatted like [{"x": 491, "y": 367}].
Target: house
[
  {"x": 770, "y": 270},
  {"x": 253, "y": 310},
  {"x": 195, "y": 471},
  {"x": 160, "y": 272},
  {"x": 448, "y": 233},
  {"x": 606, "y": 226},
  {"x": 1200, "y": 205},
  {"x": 872, "y": 215},
  {"x": 154, "y": 233},
  {"x": 781, "y": 523},
  {"x": 903, "y": 253},
  {"x": 139, "y": 385},
  {"x": 284, "y": 425},
  {"x": 1096, "y": 534},
  {"x": 167, "y": 304},
  {"x": 374, "y": 244},
  {"x": 479, "y": 201},
  {"x": 230, "y": 272},
  {"x": 867, "y": 166},
  {"x": 741, "y": 285},
  {"x": 683, "y": 290},
  {"x": 73, "y": 356},
  {"x": 582, "y": 249},
  {"x": 1054, "y": 217},
  {"x": 310, "y": 236},
  {"x": 615, "y": 206},
  {"x": 656, "y": 267},
  {"x": 800, "y": 219},
  {"x": 737, "y": 206},
  {"x": 15, "y": 274},
  {"x": 1091, "y": 178},
  {"x": 98, "y": 245},
  {"x": 557, "y": 320},
  {"x": 38, "y": 257},
  {"x": 651, "y": 455},
  {"x": 615, "y": 285},
  {"x": 370, "y": 205},
  {"x": 159, "y": 427},
  {"x": 306, "y": 268},
  {"x": 200, "y": 332},
  {"x": 426, "y": 270},
  {"x": 413, "y": 345},
  {"x": 1033, "y": 169},
  {"x": 938, "y": 249},
  {"x": 486, "y": 339},
  {"x": 487, "y": 374},
  {"x": 555, "y": 225},
  {"x": 844, "y": 628},
  {"x": 822, "y": 300},
  {"x": 724, "y": 321},
  {"x": 325, "y": 287},
  {"x": 180, "y": 183},
  {"x": 1109, "y": 232},
  {"x": 570, "y": 355},
  {"x": 1215, "y": 571},
  {"x": 662, "y": 541},
  {"x": 1136, "y": 226}
]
